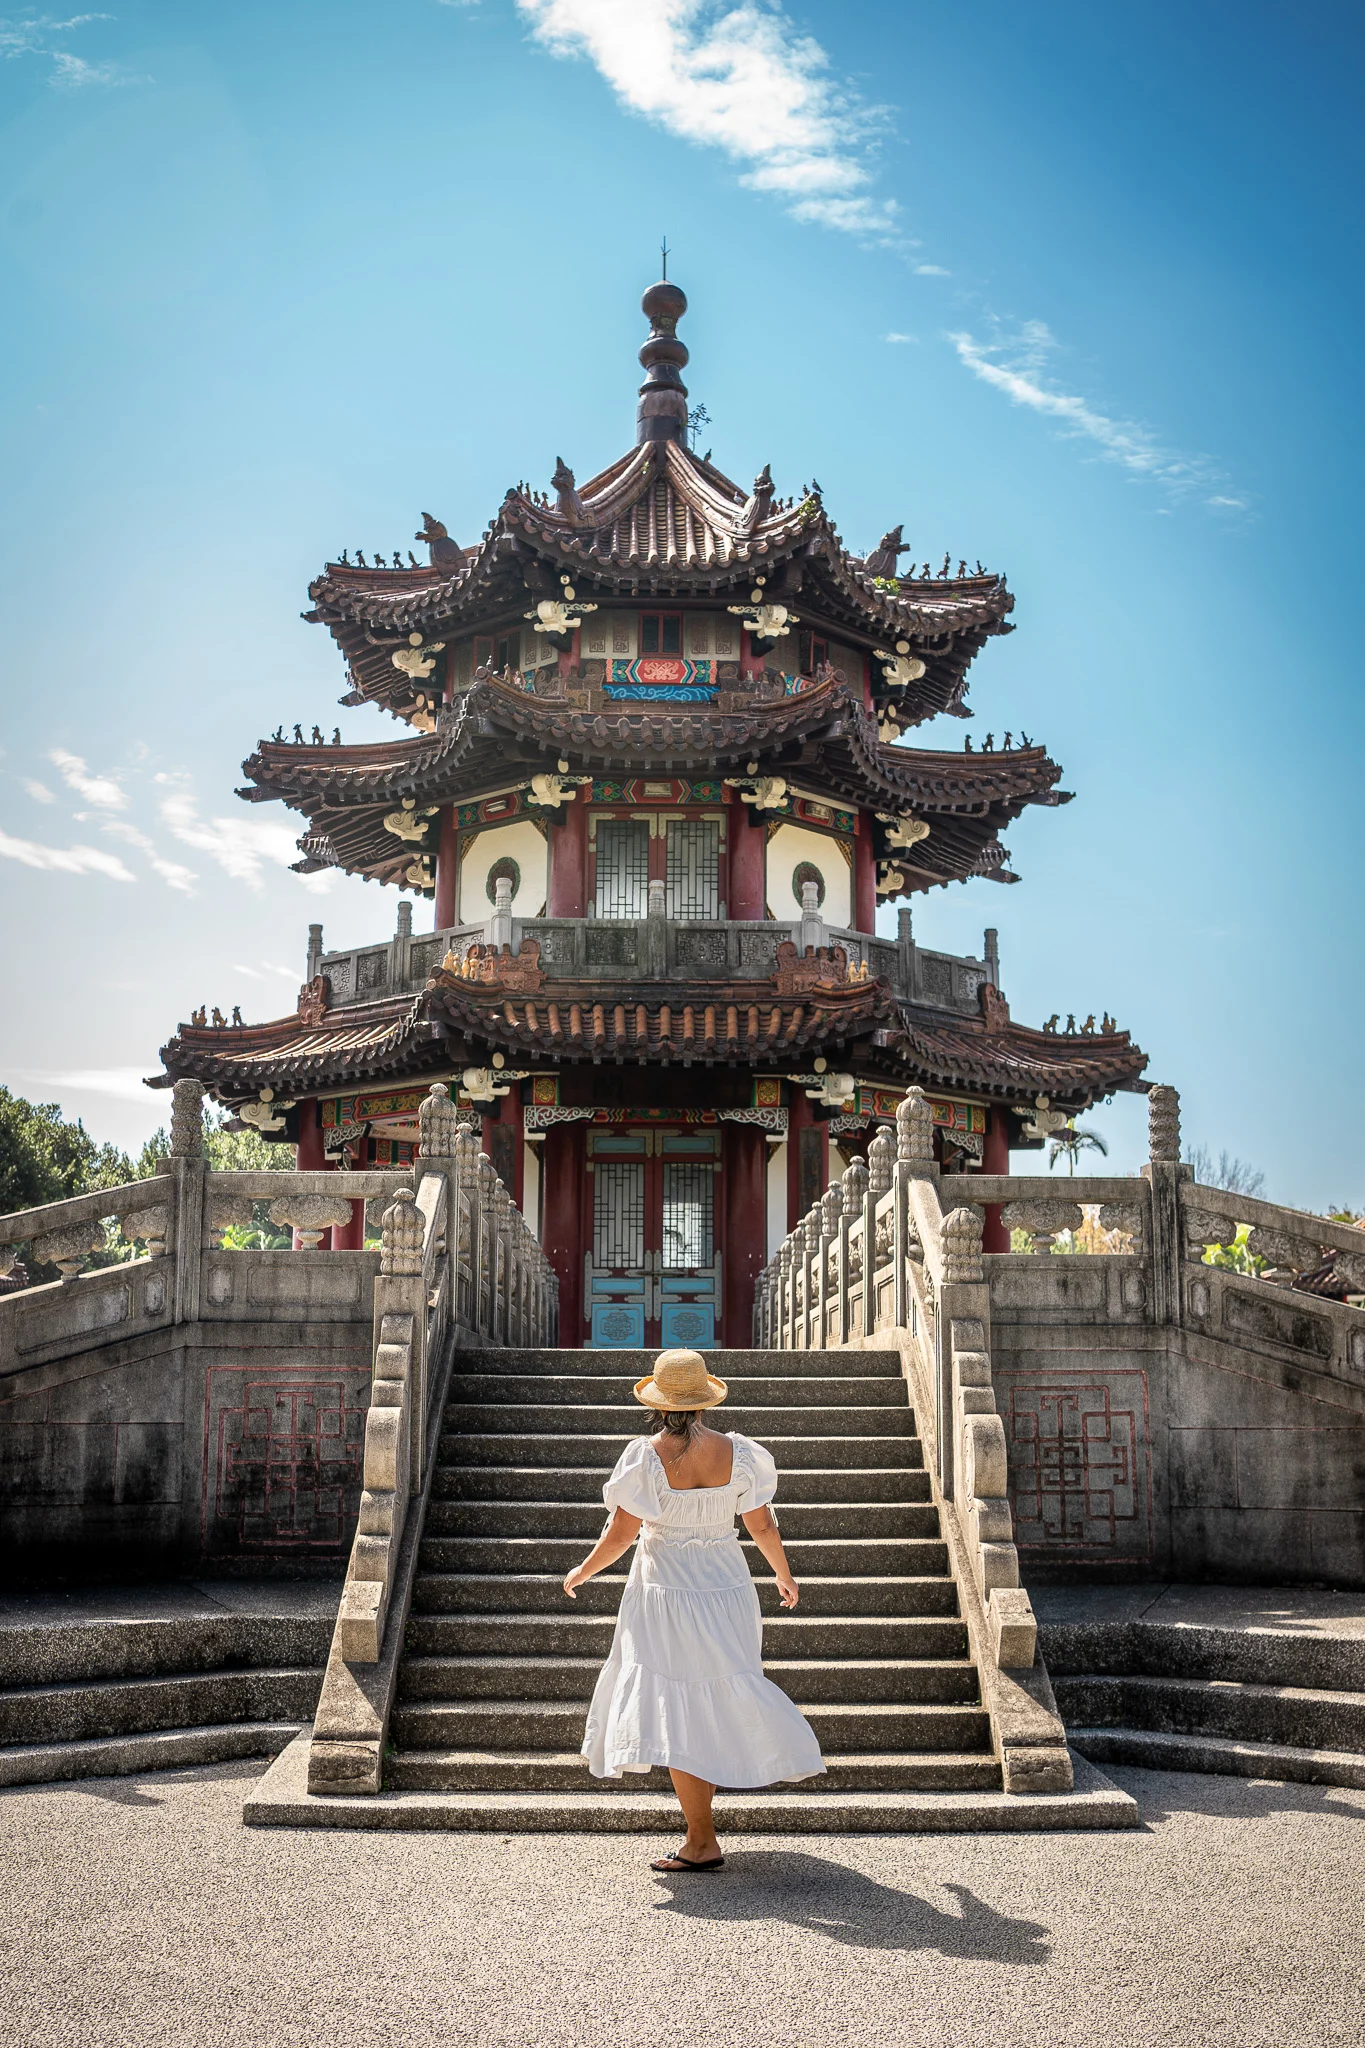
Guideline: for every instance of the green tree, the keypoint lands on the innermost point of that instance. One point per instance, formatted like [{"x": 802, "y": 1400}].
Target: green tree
[
  {"x": 1069, "y": 1142},
  {"x": 43, "y": 1158}
]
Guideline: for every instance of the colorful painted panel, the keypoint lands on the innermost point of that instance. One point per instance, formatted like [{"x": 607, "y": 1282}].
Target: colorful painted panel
[
  {"x": 768, "y": 1093},
  {"x": 661, "y": 671},
  {"x": 618, "y": 1326},
  {"x": 823, "y": 815},
  {"x": 647, "y": 790},
  {"x": 491, "y": 810},
  {"x": 691, "y": 1324},
  {"x": 360, "y": 1109}
]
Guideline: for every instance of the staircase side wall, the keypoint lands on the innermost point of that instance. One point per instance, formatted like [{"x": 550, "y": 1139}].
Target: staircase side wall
[
  {"x": 233, "y": 1447},
  {"x": 1232, "y": 1447}
]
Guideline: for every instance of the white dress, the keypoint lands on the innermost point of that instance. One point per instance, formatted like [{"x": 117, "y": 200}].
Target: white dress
[{"x": 684, "y": 1683}]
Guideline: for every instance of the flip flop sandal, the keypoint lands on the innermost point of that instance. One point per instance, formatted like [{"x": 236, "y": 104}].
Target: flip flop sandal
[{"x": 665, "y": 1863}]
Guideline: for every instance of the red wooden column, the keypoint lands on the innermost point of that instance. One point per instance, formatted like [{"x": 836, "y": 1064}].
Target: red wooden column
[
  {"x": 807, "y": 1156},
  {"x": 309, "y": 1154},
  {"x": 995, "y": 1158},
  {"x": 503, "y": 1139},
  {"x": 447, "y": 870},
  {"x": 567, "y": 895},
  {"x": 564, "y": 1185},
  {"x": 747, "y": 900},
  {"x": 745, "y": 1160},
  {"x": 864, "y": 876}
]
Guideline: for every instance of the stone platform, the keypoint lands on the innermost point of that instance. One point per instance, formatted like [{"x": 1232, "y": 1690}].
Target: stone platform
[{"x": 282, "y": 1800}]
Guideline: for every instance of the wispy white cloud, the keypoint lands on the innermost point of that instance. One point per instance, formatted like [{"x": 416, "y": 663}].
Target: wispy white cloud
[
  {"x": 265, "y": 970},
  {"x": 739, "y": 78},
  {"x": 39, "y": 791},
  {"x": 64, "y": 860},
  {"x": 125, "y": 1083},
  {"x": 171, "y": 872},
  {"x": 242, "y": 847},
  {"x": 101, "y": 790},
  {"x": 903, "y": 337},
  {"x": 1017, "y": 365},
  {"x": 40, "y": 35}
]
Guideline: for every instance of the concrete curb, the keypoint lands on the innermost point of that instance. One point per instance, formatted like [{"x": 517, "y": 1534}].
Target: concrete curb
[{"x": 281, "y": 1799}]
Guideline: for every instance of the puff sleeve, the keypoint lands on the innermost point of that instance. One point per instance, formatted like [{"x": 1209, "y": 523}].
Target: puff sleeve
[
  {"x": 636, "y": 1482},
  {"x": 758, "y": 1475}
]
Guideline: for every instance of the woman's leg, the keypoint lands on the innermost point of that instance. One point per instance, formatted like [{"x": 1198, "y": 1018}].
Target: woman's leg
[{"x": 694, "y": 1797}]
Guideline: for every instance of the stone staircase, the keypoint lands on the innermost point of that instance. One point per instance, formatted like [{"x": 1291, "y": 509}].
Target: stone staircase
[
  {"x": 1278, "y": 1697},
  {"x": 498, "y": 1665},
  {"x": 155, "y": 1679}
]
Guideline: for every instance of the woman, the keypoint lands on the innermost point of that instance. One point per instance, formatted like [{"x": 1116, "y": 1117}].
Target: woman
[{"x": 684, "y": 1683}]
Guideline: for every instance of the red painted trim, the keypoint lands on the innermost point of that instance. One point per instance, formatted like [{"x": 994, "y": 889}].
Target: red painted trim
[
  {"x": 563, "y": 1183},
  {"x": 567, "y": 895},
  {"x": 745, "y": 1159},
  {"x": 995, "y": 1158}
]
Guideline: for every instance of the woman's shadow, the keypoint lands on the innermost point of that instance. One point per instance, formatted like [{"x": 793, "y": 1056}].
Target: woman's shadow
[{"x": 849, "y": 1907}]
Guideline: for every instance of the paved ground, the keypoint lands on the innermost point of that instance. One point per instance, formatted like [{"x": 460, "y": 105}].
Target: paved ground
[
  {"x": 140, "y": 1911},
  {"x": 173, "y": 1600}
]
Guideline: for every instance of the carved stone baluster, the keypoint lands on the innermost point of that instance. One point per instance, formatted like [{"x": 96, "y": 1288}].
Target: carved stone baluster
[
  {"x": 1163, "y": 1126},
  {"x": 962, "y": 1232}
]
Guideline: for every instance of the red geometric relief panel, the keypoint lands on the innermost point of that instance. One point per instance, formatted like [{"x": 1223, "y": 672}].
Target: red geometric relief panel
[
  {"x": 282, "y": 1459},
  {"x": 1079, "y": 1469}
]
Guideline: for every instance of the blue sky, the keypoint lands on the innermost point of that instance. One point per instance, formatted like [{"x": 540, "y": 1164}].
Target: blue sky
[{"x": 1074, "y": 290}]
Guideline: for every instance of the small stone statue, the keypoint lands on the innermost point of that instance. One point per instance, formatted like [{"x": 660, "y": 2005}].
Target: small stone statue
[
  {"x": 317, "y": 736},
  {"x": 1089, "y": 1025},
  {"x": 360, "y": 558},
  {"x": 962, "y": 568},
  {"x": 199, "y": 1018},
  {"x": 298, "y": 735},
  {"x": 967, "y": 744},
  {"x": 1024, "y": 740},
  {"x": 1051, "y": 1024},
  {"x": 1109, "y": 1024},
  {"x": 988, "y": 744},
  {"x": 336, "y": 735},
  {"x": 1070, "y": 1024},
  {"x": 219, "y": 1020},
  {"x": 237, "y": 1015},
  {"x": 278, "y": 735},
  {"x": 1009, "y": 741}
]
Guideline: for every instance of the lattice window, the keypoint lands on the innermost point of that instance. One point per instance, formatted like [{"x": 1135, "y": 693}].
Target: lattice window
[
  {"x": 622, "y": 867},
  {"x": 693, "y": 887},
  {"x": 618, "y": 1214},
  {"x": 689, "y": 1192}
]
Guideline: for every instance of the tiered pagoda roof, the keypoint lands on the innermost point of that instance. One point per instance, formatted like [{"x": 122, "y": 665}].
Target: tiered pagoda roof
[
  {"x": 806, "y": 1009},
  {"x": 662, "y": 523},
  {"x": 495, "y": 737}
]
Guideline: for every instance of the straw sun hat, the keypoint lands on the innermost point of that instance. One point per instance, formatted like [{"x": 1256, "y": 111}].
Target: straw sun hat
[{"x": 680, "y": 1381}]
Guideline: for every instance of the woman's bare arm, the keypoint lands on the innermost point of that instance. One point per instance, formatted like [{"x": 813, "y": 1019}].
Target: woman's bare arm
[
  {"x": 615, "y": 1540},
  {"x": 762, "y": 1526}
]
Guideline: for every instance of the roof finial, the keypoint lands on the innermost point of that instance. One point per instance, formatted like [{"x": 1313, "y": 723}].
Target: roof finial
[
  {"x": 662, "y": 411},
  {"x": 665, "y": 257}
]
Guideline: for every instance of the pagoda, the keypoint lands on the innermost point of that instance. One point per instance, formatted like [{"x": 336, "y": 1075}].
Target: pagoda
[{"x": 653, "y": 777}]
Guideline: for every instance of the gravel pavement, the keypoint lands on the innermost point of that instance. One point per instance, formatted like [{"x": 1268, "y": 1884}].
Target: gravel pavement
[{"x": 141, "y": 1911}]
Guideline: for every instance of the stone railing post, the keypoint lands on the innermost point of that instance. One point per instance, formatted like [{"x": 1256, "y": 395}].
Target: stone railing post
[
  {"x": 439, "y": 1131},
  {"x": 881, "y": 1168},
  {"x": 1164, "y": 1175},
  {"x": 852, "y": 1250},
  {"x": 780, "y": 1334},
  {"x": 831, "y": 1229},
  {"x": 914, "y": 1161},
  {"x": 189, "y": 1171},
  {"x": 810, "y": 1254}
]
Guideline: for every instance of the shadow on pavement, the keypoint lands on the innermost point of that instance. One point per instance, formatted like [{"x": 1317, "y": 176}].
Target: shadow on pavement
[
  {"x": 851, "y": 1908},
  {"x": 1161, "y": 1795}
]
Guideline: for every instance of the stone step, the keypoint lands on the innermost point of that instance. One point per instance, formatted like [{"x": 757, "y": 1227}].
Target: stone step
[
  {"x": 762, "y": 1423},
  {"x": 471, "y": 1770},
  {"x": 47, "y": 1652},
  {"x": 460, "y": 1481},
  {"x": 92, "y": 1708},
  {"x": 809, "y": 1681},
  {"x": 556, "y": 1725},
  {"x": 160, "y": 1749},
  {"x": 512, "y": 1446},
  {"x": 590, "y": 1635},
  {"x": 580, "y": 1389},
  {"x": 583, "y": 1520},
  {"x": 506, "y": 1593},
  {"x": 1289, "y": 1715},
  {"x": 281, "y": 1799},
  {"x": 1152, "y": 1749},
  {"x": 859, "y": 1558},
  {"x": 634, "y": 1365}
]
